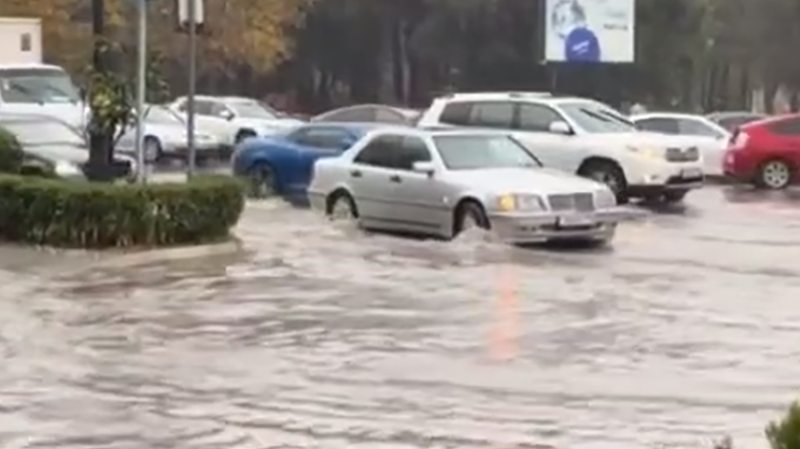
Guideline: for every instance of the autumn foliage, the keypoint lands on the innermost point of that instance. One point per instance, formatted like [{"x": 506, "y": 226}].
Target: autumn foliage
[{"x": 252, "y": 32}]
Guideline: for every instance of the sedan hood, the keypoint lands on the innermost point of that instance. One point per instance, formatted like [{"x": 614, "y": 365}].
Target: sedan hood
[{"x": 542, "y": 181}]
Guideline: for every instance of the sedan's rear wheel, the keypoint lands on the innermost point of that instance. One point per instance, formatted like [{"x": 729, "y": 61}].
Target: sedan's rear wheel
[
  {"x": 774, "y": 174},
  {"x": 342, "y": 208}
]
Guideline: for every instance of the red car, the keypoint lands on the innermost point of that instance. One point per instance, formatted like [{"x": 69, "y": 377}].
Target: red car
[{"x": 765, "y": 152}]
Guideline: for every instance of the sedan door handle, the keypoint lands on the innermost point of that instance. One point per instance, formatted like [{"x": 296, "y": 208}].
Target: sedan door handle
[
  {"x": 395, "y": 178},
  {"x": 355, "y": 173}
]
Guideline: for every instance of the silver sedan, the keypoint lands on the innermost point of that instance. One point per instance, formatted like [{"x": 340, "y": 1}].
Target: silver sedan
[{"x": 443, "y": 182}]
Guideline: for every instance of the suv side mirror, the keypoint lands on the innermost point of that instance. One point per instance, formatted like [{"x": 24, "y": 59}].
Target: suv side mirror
[
  {"x": 560, "y": 127},
  {"x": 226, "y": 114}
]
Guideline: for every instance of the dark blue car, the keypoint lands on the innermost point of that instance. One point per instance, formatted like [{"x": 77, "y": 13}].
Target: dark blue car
[{"x": 282, "y": 164}]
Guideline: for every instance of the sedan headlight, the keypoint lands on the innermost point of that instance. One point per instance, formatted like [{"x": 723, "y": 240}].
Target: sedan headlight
[
  {"x": 516, "y": 202},
  {"x": 604, "y": 199},
  {"x": 646, "y": 151}
]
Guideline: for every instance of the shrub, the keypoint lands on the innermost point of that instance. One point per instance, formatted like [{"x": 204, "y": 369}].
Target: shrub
[
  {"x": 73, "y": 214},
  {"x": 785, "y": 434},
  {"x": 11, "y": 154}
]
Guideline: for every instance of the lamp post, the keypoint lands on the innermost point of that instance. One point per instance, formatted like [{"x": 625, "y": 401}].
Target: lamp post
[
  {"x": 141, "y": 86},
  {"x": 190, "y": 18}
]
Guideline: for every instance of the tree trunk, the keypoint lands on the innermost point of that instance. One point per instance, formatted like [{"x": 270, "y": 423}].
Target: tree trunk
[{"x": 100, "y": 143}]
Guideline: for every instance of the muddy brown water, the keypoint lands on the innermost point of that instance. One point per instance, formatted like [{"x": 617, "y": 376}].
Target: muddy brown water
[{"x": 323, "y": 337}]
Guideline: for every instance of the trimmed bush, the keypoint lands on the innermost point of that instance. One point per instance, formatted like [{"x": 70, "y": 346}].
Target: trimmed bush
[
  {"x": 71, "y": 214},
  {"x": 11, "y": 154}
]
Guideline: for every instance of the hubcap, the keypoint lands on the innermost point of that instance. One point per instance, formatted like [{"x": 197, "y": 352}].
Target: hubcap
[
  {"x": 606, "y": 178},
  {"x": 776, "y": 174},
  {"x": 342, "y": 210}
]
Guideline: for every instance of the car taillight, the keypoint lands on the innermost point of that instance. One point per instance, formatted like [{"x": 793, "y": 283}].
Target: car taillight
[{"x": 739, "y": 140}]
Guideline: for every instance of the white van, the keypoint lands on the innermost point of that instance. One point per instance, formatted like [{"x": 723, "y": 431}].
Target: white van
[{"x": 41, "y": 89}]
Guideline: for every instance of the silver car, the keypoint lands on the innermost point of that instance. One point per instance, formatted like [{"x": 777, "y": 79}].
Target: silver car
[
  {"x": 443, "y": 182},
  {"x": 165, "y": 137},
  {"x": 53, "y": 145}
]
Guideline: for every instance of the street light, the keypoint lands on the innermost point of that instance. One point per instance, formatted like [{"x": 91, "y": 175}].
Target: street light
[
  {"x": 191, "y": 15},
  {"x": 141, "y": 87}
]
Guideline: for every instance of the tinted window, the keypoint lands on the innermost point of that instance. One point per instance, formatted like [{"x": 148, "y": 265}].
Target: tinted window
[
  {"x": 788, "y": 127},
  {"x": 595, "y": 117},
  {"x": 492, "y": 115},
  {"x": 534, "y": 117},
  {"x": 697, "y": 128},
  {"x": 379, "y": 151},
  {"x": 330, "y": 138},
  {"x": 659, "y": 125},
  {"x": 456, "y": 113},
  {"x": 412, "y": 149}
]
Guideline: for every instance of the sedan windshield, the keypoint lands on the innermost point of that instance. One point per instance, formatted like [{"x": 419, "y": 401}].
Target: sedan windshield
[
  {"x": 42, "y": 132},
  {"x": 252, "y": 109},
  {"x": 595, "y": 118},
  {"x": 470, "y": 152}
]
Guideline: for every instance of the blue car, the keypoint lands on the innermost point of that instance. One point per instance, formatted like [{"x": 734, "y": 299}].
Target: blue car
[{"x": 281, "y": 164}]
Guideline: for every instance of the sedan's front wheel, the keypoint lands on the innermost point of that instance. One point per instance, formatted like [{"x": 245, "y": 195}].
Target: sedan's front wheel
[
  {"x": 341, "y": 207},
  {"x": 470, "y": 215}
]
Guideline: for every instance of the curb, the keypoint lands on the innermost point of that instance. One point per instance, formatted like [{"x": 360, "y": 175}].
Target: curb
[{"x": 129, "y": 260}]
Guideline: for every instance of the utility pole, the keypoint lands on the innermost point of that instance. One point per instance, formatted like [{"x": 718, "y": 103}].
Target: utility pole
[
  {"x": 191, "y": 14},
  {"x": 141, "y": 86}
]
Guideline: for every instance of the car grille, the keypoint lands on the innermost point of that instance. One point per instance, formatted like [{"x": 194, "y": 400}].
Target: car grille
[
  {"x": 690, "y": 154},
  {"x": 581, "y": 202}
]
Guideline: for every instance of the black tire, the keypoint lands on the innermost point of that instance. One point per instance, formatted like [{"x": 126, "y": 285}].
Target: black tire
[
  {"x": 347, "y": 201},
  {"x": 153, "y": 151},
  {"x": 470, "y": 214},
  {"x": 244, "y": 134},
  {"x": 675, "y": 196},
  {"x": 774, "y": 174},
  {"x": 609, "y": 174},
  {"x": 261, "y": 181}
]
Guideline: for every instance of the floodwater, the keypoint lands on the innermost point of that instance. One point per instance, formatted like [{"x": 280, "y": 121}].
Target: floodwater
[{"x": 325, "y": 337}]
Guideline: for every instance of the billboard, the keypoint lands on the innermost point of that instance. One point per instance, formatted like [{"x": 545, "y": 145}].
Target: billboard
[{"x": 589, "y": 30}]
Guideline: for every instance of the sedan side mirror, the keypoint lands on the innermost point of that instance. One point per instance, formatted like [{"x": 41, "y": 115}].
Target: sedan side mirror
[
  {"x": 226, "y": 114},
  {"x": 425, "y": 167},
  {"x": 559, "y": 127}
]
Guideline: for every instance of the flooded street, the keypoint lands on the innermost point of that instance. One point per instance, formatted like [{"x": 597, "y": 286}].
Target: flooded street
[{"x": 322, "y": 337}]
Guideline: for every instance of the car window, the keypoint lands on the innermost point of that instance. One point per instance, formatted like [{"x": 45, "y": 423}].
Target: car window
[
  {"x": 492, "y": 115},
  {"x": 378, "y": 152},
  {"x": 787, "y": 127},
  {"x": 468, "y": 152},
  {"x": 412, "y": 149},
  {"x": 329, "y": 138},
  {"x": 659, "y": 125},
  {"x": 203, "y": 107},
  {"x": 216, "y": 109},
  {"x": 456, "y": 113},
  {"x": 356, "y": 114},
  {"x": 535, "y": 117},
  {"x": 697, "y": 128}
]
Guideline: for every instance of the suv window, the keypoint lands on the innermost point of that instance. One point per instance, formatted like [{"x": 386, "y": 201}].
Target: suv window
[
  {"x": 214, "y": 108},
  {"x": 788, "y": 127},
  {"x": 697, "y": 128},
  {"x": 492, "y": 115},
  {"x": 379, "y": 152},
  {"x": 456, "y": 113},
  {"x": 537, "y": 117},
  {"x": 658, "y": 125}
]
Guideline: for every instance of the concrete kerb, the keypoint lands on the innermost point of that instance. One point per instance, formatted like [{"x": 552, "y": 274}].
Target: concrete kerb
[{"x": 133, "y": 259}]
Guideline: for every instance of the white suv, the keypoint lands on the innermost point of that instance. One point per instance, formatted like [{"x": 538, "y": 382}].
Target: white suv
[{"x": 581, "y": 136}]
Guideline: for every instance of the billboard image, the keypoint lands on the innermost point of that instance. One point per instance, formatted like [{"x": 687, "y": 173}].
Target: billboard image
[{"x": 589, "y": 30}]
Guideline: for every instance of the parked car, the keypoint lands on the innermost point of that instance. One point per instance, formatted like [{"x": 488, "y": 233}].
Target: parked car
[
  {"x": 282, "y": 163},
  {"x": 731, "y": 120},
  {"x": 583, "y": 137},
  {"x": 444, "y": 182},
  {"x": 766, "y": 153},
  {"x": 165, "y": 137},
  {"x": 370, "y": 113},
  {"x": 52, "y": 146},
  {"x": 233, "y": 119},
  {"x": 711, "y": 138}
]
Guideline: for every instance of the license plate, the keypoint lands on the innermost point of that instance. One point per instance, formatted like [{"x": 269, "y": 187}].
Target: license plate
[
  {"x": 572, "y": 221},
  {"x": 691, "y": 173}
]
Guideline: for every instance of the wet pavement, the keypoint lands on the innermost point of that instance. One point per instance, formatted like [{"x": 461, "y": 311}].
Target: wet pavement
[{"x": 325, "y": 337}]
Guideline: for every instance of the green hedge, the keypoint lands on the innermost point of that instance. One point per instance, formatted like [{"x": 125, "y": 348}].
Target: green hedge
[
  {"x": 11, "y": 155},
  {"x": 60, "y": 213}
]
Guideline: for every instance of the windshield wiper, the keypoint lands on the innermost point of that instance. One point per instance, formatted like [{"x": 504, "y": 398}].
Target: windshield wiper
[
  {"x": 25, "y": 91},
  {"x": 596, "y": 115}
]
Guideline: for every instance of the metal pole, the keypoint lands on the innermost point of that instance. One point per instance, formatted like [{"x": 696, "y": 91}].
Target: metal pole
[
  {"x": 192, "y": 8},
  {"x": 141, "y": 86}
]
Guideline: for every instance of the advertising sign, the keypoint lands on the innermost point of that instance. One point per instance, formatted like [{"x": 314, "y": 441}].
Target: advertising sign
[{"x": 590, "y": 30}]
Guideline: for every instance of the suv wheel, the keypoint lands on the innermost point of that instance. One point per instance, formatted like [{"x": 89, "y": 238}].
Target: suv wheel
[{"x": 609, "y": 174}]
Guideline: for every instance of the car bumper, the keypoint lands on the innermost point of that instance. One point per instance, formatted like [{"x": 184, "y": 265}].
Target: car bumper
[{"x": 532, "y": 228}]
